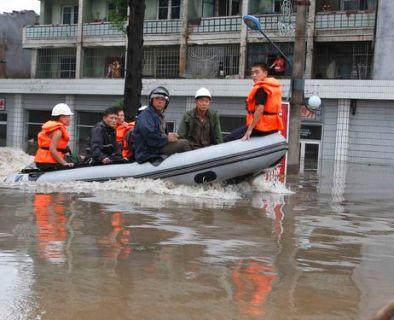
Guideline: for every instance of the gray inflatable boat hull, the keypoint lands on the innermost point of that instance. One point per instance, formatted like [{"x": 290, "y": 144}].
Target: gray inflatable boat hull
[{"x": 211, "y": 164}]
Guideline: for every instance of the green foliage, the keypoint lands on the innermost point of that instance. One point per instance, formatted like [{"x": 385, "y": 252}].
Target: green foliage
[
  {"x": 118, "y": 103},
  {"x": 118, "y": 14}
]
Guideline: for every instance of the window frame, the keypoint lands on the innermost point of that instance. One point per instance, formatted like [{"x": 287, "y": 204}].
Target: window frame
[
  {"x": 73, "y": 14},
  {"x": 28, "y": 122},
  {"x": 79, "y": 125},
  {"x": 169, "y": 8}
]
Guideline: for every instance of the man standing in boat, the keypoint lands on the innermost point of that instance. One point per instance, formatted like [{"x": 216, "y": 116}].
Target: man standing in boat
[
  {"x": 103, "y": 146},
  {"x": 263, "y": 106},
  {"x": 201, "y": 126},
  {"x": 151, "y": 137}
]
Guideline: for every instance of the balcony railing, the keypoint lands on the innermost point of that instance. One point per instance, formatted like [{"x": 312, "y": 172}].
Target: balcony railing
[
  {"x": 51, "y": 31},
  {"x": 150, "y": 27},
  {"x": 218, "y": 24},
  {"x": 162, "y": 26},
  {"x": 343, "y": 20},
  {"x": 269, "y": 22},
  {"x": 100, "y": 29}
]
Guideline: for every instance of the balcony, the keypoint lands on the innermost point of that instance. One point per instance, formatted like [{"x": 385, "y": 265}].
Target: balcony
[
  {"x": 329, "y": 26},
  {"x": 217, "y": 24},
  {"x": 53, "y": 35},
  {"x": 345, "y": 26},
  {"x": 345, "y": 20}
]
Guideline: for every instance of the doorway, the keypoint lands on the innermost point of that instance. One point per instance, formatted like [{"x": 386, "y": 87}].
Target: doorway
[{"x": 310, "y": 150}]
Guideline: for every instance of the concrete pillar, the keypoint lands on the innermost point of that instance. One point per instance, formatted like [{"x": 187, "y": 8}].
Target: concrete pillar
[
  {"x": 383, "y": 66},
  {"x": 72, "y": 129},
  {"x": 79, "y": 58},
  {"x": 342, "y": 132},
  {"x": 41, "y": 19},
  {"x": 184, "y": 35},
  {"x": 33, "y": 63},
  {"x": 3, "y": 71},
  {"x": 243, "y": 41},
  {"x": 310, "y": 39},
  {"x": 15, "y": 124}
]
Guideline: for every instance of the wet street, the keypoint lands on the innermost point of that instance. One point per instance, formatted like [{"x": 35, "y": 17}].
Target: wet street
[{"x": 153, "y": 251}]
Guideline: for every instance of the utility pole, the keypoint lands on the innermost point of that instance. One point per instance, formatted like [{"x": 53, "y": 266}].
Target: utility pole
[
  {"x": 135, "y": 40},
  {"x": 297, "y": 92},
  {"x": 184, "y": 36}
]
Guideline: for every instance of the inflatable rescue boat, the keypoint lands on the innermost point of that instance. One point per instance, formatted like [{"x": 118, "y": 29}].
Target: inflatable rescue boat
[{"x": 216, "y": 163}]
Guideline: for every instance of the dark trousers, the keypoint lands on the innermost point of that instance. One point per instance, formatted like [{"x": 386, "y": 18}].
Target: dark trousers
[
  {"x": 49, "y": 166},
  {"x": 240, "y": 132},
  {"x": 181, "y": 145}
]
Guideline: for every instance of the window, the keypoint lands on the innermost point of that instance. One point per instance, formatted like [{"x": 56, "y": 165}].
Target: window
[
  {"x": 33, "y": 126},
  {"x": 70, "y": 15},
  {"x": 208, "y": 8},
  {"x": 212, "y": 61},
  {"x": 98, "y": 62},
  {"x": 343, "y": 60},
  {"x": 85, "y": 122},
  {"x": 169, "y": 9},
  {"x": 229, "y": 8},
  {"x": 112, "y": 7},
  {"x": 350, "y": 5},
  {"x": 268, "y": 54},
  {"x": 56, "y": 63},
  {"x": 3, "y": 129},
  {"x": 67, "y": 68},
  {"x": 230, "y": 123},
  {"x": 161, "y": 62}
]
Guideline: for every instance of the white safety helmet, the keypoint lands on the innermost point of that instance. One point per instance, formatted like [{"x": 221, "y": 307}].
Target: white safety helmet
[
  {"x": 203, "y": 92},
  {"x": 61, "y": 109}
]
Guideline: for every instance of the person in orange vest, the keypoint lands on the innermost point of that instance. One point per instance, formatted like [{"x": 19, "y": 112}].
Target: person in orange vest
[
  {"x": 51, "y": 221},
  {"x": 263, "y": 106},
  {"x": 253, "y": 282},
  {"x": 122, "y": 129},
  {"x": 278, "y": 65},
  {"x": 53, "y": 140}
]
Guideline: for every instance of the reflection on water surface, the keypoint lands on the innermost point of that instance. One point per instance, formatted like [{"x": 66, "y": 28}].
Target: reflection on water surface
[{"x": 324, "y": 252}]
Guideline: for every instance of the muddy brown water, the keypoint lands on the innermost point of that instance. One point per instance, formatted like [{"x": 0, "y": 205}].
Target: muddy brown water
[{"x": 324, "y": 252}]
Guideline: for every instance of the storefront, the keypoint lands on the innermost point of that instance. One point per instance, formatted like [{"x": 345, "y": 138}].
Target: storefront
[{"x": 310, "y": 139}]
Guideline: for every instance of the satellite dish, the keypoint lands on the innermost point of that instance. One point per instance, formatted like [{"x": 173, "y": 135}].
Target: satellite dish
[{"x": 314, "y": 102}]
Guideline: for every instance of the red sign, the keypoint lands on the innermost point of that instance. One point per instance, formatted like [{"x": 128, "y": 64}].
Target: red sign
[
  {"x": 2, "y": 104},
  {"x": 306, "y": 113}
]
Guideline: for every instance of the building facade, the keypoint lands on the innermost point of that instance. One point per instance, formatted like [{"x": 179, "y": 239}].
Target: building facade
[
  {"x": 201, "y": 39},
  {"x": 14, "y": 60},
  {"x": 78, "y": 58}
]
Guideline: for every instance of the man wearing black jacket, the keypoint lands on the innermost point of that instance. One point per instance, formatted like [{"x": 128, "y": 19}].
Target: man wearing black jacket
[{"x": 103, "y": 146}]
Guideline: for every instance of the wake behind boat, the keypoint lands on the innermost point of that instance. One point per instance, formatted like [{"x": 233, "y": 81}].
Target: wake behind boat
[{"x": 211, "y": 164}]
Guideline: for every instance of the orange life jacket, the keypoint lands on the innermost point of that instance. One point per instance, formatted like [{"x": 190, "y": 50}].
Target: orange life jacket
[
  {"x": 271, "y": 119},
  {"x": 43, "y": 154},
  {"x": 121, "y": 137},
  {"x": 279, "y": 65},
  {"x": 51, "y": 223},
  {"x": 253, "y": 283}
]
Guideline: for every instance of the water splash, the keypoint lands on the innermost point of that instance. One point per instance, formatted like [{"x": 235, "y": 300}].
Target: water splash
[{"x": 12, "y": 160}]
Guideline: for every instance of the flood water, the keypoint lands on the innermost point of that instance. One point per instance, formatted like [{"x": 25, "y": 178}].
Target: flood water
[{"x": 152, "y": 250}]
